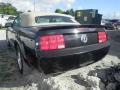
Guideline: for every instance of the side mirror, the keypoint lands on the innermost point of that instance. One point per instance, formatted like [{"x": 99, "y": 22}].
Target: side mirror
[{"x": 8, "y": 25}]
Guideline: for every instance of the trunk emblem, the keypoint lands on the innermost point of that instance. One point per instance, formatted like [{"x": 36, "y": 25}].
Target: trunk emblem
[{"x": 84, "y": 38}]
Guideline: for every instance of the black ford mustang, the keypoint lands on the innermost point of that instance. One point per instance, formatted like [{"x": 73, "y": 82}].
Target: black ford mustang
[{"x": 56, "y": 42}]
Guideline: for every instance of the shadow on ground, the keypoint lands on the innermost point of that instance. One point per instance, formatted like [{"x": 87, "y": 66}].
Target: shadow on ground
[{"x": 3, "y": 45}]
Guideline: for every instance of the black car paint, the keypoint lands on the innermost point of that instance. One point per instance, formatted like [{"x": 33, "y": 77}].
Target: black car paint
[{"x": 28, "y": 37}]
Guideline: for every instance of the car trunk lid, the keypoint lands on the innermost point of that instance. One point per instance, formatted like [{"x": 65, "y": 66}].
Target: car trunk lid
[{"x": 74, "y": 35}]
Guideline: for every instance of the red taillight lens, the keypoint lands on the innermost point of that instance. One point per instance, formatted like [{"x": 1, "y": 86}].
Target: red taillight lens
[
  {"x": 51, "y": 42},
  {"x": 102, "y": 37}
]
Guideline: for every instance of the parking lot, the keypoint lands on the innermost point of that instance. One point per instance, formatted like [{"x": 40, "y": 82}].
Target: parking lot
[{"x": 10, "y": 78}]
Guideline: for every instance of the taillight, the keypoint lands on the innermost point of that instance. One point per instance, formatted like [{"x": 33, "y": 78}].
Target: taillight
[
  {"x": 102, "y": 37},
  {"x": 51, "y": 42}
]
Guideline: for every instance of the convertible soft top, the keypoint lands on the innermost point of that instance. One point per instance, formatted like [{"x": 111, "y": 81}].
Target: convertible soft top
[{"x": 28, "y": 19}]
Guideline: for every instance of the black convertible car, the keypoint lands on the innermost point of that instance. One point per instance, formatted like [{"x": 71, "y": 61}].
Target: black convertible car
[{"x": 55, "y": 42}]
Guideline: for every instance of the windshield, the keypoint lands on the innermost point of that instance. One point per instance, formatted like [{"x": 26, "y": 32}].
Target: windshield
[
  {"x": 11, "y": 18},
  {"x": 54, "y": 19}
]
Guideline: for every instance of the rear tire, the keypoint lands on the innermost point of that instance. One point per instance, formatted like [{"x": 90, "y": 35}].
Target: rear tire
[
  {"x": 19, "y": 60},
  {"x": 22, "y": 66}
]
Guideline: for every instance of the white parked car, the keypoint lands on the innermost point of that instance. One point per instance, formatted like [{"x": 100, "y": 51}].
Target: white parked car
[
  {"x": 3, "y": 19},
  {"x": 2, "y": 22},
  {"x": 10, "y": 20}
]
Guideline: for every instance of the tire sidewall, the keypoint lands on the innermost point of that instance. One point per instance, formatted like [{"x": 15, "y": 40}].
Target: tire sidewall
[{"x": 21, "y": 58}]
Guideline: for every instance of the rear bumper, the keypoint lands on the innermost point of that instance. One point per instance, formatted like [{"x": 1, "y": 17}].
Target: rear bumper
[
  {"x": 70, "y": 60},
  {"x": 73, "y": 51}
]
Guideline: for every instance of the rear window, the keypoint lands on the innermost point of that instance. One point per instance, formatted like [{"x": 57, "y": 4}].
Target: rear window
[{"x": 53, "y": 19}]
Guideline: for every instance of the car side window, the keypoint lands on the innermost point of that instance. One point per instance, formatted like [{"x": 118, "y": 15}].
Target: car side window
[{"x": 17, "y": 22}]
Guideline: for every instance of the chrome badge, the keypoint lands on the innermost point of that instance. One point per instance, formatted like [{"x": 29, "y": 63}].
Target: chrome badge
[{"x": 84, "y": 38}]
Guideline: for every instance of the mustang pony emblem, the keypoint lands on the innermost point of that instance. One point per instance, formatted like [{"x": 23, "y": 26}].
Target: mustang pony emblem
[{"x": 84, "y": 38}]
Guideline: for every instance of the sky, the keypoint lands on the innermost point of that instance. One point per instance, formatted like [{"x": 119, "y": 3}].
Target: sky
[{"x": 109, "y": 8}]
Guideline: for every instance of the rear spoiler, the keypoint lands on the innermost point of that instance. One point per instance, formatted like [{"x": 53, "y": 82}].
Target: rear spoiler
[
  {"x": 91, "y": 26},
  {"x": 71, "y": 27}
]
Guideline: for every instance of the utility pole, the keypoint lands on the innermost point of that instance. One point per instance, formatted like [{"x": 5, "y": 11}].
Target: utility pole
[{"x": 34, "y": 5}]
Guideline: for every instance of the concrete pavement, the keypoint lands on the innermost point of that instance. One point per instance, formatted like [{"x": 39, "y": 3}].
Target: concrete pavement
[
  {"x": 3, "y": 44},
  {"x": 2, "y": 34}
]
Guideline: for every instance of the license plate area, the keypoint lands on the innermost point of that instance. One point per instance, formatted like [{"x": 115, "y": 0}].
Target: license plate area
[{"x": 76, "y": 40}]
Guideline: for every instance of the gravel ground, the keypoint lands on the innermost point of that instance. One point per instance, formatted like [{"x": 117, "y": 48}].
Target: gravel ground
[{"x": 92, "y": 77}]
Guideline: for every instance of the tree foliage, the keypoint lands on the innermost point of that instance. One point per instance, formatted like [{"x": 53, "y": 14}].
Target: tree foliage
[
  {"x": 8, "y": 9},
  {"x": 68, "y": 12},
  {"x": 59, "y": 11}
]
